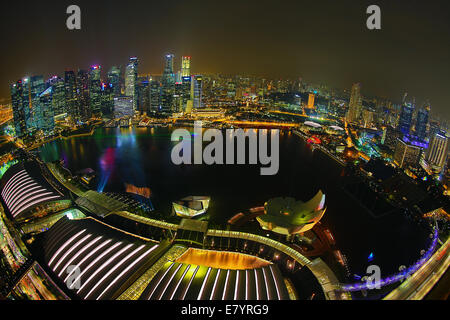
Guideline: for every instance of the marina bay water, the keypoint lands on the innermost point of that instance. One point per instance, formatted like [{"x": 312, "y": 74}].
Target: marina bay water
[{"x": 142, "y": 157}]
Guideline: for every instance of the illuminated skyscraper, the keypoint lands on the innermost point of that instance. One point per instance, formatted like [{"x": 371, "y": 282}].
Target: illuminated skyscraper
[
  {"x": 406, "y": 115},
  {"x": 71, "y": 94},
  {"x": 186, "y": 92},
  {"x": 95, "y": 90},
  {"x": 311, "y": 101},
  {"x": 20, "y": 102},
  {"x": 355, "y": 105},
  {"x": 43, "y": 112},
  {"x": 37, "y": 86},
  {"x": 437, "y": 151},
  {"x": 155, "y": 95},
  {"x": 185, "y": 66},
  {"x": 168, "y": 85},
  {"x": 168, "y": 75},
  {"x": 84, "y": 107},
  {"x": 58, "y": 97},
  {"x": 131, "y": 74},
  {"x": 422, "y": 122},
  {"x": 114, "y": 80},
  {"x": 143, "y": 94},
  {"x": 197, "y": 91}
]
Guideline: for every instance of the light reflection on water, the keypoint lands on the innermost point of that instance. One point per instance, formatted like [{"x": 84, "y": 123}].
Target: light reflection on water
[{"x": 141, "y": 157}]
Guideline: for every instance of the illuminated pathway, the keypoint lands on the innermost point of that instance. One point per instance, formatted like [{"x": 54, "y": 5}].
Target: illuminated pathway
[
  {"x": 420, "y": 283},
  {"x": 420, "y": 277}
]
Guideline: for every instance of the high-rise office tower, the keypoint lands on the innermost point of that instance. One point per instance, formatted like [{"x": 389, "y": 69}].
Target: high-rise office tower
[
  {"x": 43, "y": 113},
  {"x": 355, "y": 105},
  {"x": 95, "y": 90},
  {"x": 197, "y": 91},
  {"x": 114, "y": 80},
  {"x": 311, "y": 98},
  {"x": 405, "y": 120},
  {"x": 107, "y": 99},
  {"x": 185, "y": 66},
  {"x": 20, "y": 103},
  {"x": 84, "y": 108},
  {"x": 437, "y": 151},
  {"x": 422, "y": 122},
  {"x": 58, "y": 95},
  {"x": 37, "y": 86},
  {"x": 131, "y": 74},
  {"x": 168, "y": 74},
  {"x": 185, "y": 92},
  {"x": 155, "y": 95},
  {"x": 143, "y": 86},
  {"x": 71, "y": 94},
  {"x": 168, "y": 85}
]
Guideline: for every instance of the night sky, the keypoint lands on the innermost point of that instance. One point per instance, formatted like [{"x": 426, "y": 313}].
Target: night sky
[{"x": 321, "y": 41}]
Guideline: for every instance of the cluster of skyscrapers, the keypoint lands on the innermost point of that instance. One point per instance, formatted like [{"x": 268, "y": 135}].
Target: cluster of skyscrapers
[
  {"x": 82, "y": 95},
  {"x": 409, "y": 132}
]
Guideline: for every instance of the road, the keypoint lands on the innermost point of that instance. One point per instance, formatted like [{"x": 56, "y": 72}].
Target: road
[{"x": 421, "y": 282}]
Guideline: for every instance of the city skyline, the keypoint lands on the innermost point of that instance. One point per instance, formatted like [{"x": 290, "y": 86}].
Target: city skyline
[{"x": 279, "y": 44}]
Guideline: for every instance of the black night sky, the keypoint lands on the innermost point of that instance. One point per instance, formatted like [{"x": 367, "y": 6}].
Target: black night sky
[{"x": 321, "y": 41}]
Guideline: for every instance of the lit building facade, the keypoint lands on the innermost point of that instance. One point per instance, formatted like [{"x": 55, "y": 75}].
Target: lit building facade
[
  {"x": 131, "y": 75},
  {"x": 114, "y": 80},
  {"x": 355, "y": 105},
  {"x": 20, "y": 103},
  {"x": 422, "y": 122},
  {"x": 197, "y": 91},
  {"x": 70, "y": 84},
  {"x": 95, "y": 90},
  {"x": 311, "y": 98},
  {"x": 168, "y": 85},
  {"x": 83, "y": 112},
  {"x": 406, "y": 154},
  {"x": 185, "y": 66},
  {"x": 123, "y": 107},
  {"x": 437, "y": 151},
  {"x": 406, "y": 115}
]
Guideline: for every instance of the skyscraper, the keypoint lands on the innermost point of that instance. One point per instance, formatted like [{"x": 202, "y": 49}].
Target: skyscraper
[
  {"x": 43, "y": 113},
  {"x": 437, "y": 151},
  {"x": 114, "y": 80},
  {"x": 20, "y": 102},
  {"x": 37, "y": 86},
  {"x": 84, "y": 109},
  {"x": 131, "y": 74},
  {"x": 422, "y": 122},
  {"x": 197, "y": 91},
  {"x": 406, "y": 115},
  {"x": 168, "y": 85},
  {"x": 355, "y": 104},
  {"x": 155, "y": 95},
  {"x": 58, "y": 96},
  {"x": 95, "y": 90},
  {"x": 168, "y": 75},
  {"x": 143, "y": 86},
  {"x": 185, "y": 66},
  {"x": 71, "y": 94},
  {"x": 311, "y": 98},
  {"x": 185, "y": 92}
]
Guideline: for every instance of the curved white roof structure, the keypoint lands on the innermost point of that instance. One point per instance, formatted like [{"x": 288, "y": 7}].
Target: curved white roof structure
[{"x": 22, "y": 191}]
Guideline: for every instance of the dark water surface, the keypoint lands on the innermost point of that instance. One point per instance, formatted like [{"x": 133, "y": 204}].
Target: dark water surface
[{"x": 142, "y": 157}]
